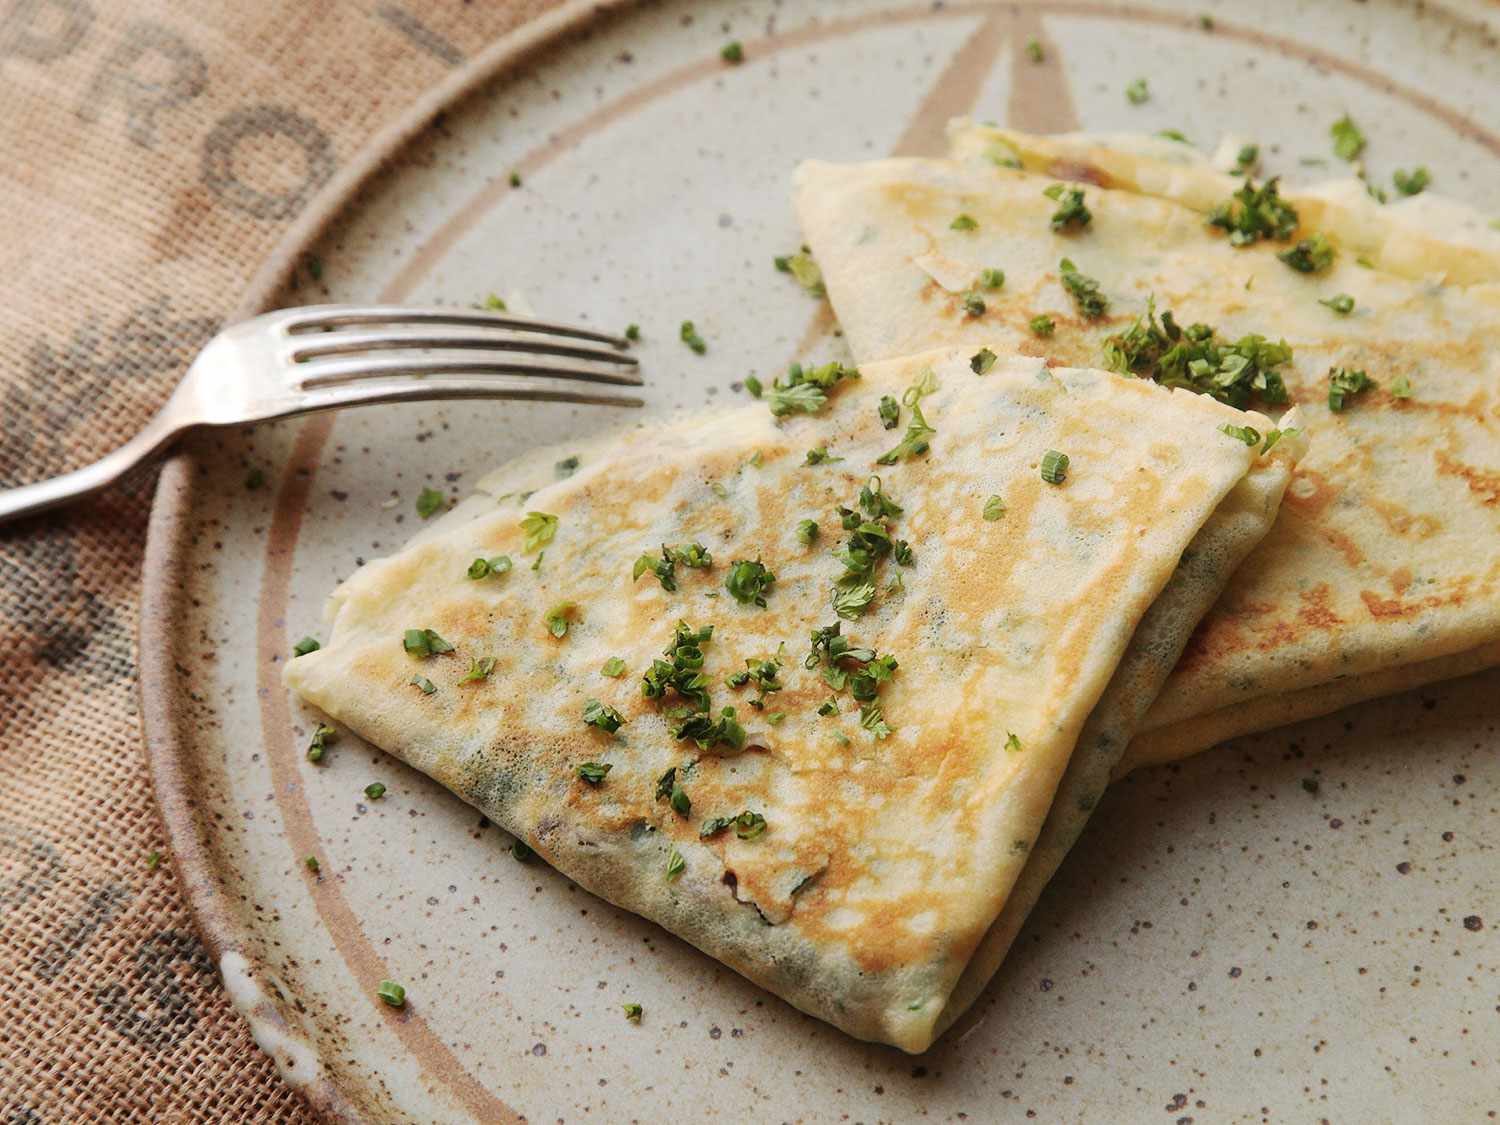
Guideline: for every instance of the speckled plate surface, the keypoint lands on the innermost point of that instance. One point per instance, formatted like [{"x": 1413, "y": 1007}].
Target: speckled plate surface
[{"x": 1297, "y": 926}]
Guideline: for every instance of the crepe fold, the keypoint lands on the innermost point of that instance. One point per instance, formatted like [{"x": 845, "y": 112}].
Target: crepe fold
[
  {"x": 878, "y": 893},
  {"x": 1383, "y": 569}
]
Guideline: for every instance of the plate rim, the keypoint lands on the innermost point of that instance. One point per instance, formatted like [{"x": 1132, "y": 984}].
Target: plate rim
[{"x": 162, "y": 741}]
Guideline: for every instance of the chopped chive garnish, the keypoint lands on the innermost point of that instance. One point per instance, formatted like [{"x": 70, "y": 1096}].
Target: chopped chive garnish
[
  {"x": 392, "y": 993},
  {"x": 994, "y": 508},
  {"x": 1348, "y": 141},
  {"x": 676, "y": 865},
  {"x": 633, "y": 332},
  {"x": 603, "y": 716},
  {"x": 515, "y": 179},
  {"x": 1054, "y": 467},
  {"x": 973, "y": 303},
  {"x": 754, "y": 386},
  {"x": 748, "y": 825},
  {"x": 429, "y": 500},
  {"x": 312, "y": 864},
  {"x": 375, "y": 790},
  {"x": 1085, "y": 290},
  {"x": 614, "y": 668},
  {"x": 1253, "y": 213},
  {"x": 807, "y": 531},
  {"x": 804, "y": 271},
  {"x": 732, "y": 52},
  {"x": 889, "y": 411},
  {"x": 963, "y": 222},
  {"x": 829, "y": 706},
  {"x": 749, "y": 582},
  {"x": 1071, "y": 214},
  {"x": 1343, "y": 304},
  {"x": 539, "y": 527},
  {"x": 819, "y": 456},
  {"x": 991, "y": 278},
  {"x": 557, "y": 618},
  {"x": 1174, "y": 135},
  {"x": 1345, "y": 383},
  {"x": 483, "y": 568},
  {"x": 305, "y": 646},
  {"x": 805, "y": 390},
  {"x": 480, "y": 669},
  {"x": 1401, "y": 387},
  {"x": 1413, "y": 182},
  {"x": 689, "y": 336},
  {"x": 1310, "y": 255},
  {"x": 492, "y": 303},
  {"x": 1247, "y": 434},
  {"x": 1034, "y": 50},
  {"x": 1137, "y": 92},
  {"x": 427, "y": 686},
  {"x": 914, "y": 443},
  {"x": 633, "y": 1012},
  {"x": 594, "y": 772},
  {"x": 424, "y": 643},
  {"x": 1246, "y": 159},
  {"x": 981, "y": 362},
  {"x": 1042, "y": 324},
  {"x": 320, "y": 740},
  {"x": 153, "y": 861},
  {"x": 1012, "y": 743}
]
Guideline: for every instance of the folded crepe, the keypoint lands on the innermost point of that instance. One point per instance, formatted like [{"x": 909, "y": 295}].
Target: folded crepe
[
  {"x": 1382, "y": 572},
  {"x": 836, "y": 791}
]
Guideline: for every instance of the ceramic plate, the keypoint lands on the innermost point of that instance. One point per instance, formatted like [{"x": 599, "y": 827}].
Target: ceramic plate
[{"x": 1296, "y": 926}]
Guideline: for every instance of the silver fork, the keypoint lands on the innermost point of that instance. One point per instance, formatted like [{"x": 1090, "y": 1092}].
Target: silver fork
[{"x": 323, "y": 357}]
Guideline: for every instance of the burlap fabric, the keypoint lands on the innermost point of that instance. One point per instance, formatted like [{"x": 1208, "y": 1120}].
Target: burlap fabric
[{"x": 151, "y": 154}]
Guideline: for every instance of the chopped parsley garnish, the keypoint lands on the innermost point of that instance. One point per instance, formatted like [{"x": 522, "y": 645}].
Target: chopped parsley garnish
[
  {"x": 819, "y": 456},
  {"x": 305, "y": 646},
  {"x": 748, "y": 825},
  {"x": 872, "y": 719},
  {"x": 427, "y": 686},
  {"x": 710, "y": 733},
  {"x": 1413, "y": 182},
  {"x": 312, "y": 864},
  {"x": 1012, "y": 743},
  {"x": 1034, "y": 50},
  {"x": 807, "y": 531},
  {"x": 602, "y": 716},
  {"x": 1274, "y": 436},
  {"x": 594, "y": 772},
  {"x": 805, "y": 272},
  {"x": 483, "y": 568},
  {"x": 1401, "y": 387},
  {"x": 749, "y": 582},
  {"x": 754, "y": 386},
  {"x": 992, "y": 278},
  {"x": 694, "y": 555},
  {"x": 1247, "y": 434},
  {"x": 689, "y": 336},
  {"x": 1246, "y": 159},
  {"x": 981, "y": 362},
  {"x": 1137, "y": 93},
  {"x": 429, "y": 500},
  {"x": 973, "y": 303},
  {"x": 1348, "y": 141},
  {"x": 668, "y": 789},
  {"x": 1085, "y": 290},
  {"x": 1071, "y": 213},
  {"x": 614, "y": 668},
  {"x": 392, "y": 993},
  {"x": 255, "y": 478},
  {"x": 964, "y": 222},
  {"x": 1254, "y": 213},
  {"x": 829, "y": 706},
  {"x": 1310, "y": 255},
  {"x": 994, "y": 508},
  {"x": 633, "y": 332},
  {"x": 763, "y": 674},
  {"x": 557, "y": 618},
  {"x": 914, "y": 443},
  {"x": 322, "y": 736},
  {"x": 1192, "y": 358},
  {"x": 846, "y": 665},
  {"x": 805, "y": 390},
  {"x": 676, "y": 865},
  {"x": 424, "y": 643},
  {"x": 539, "y": 527},
  {"x": 1042, "y": 324},
  {"x": 1343, "y": 304},
  {"x": 889, "y": 411},
  {"x": 869, "y": 542},
  {"x": 479, "y": 669},
  {"x": 633, "y": 1012},
  {"x": 732, "y": 52},
  {"x": 682, "y": 672},
  {"x": 1054, "y": 467},
  {"x": 375, "y": 790},
  {"x": 1345, "y": 383},
  {"x": 566, "y": 467}
]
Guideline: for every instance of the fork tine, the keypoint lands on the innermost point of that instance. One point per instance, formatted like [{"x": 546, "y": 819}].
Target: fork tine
[
  {"x": 314, "y": 317},
  {"x": 322, "y": 373},
  {"x": 342, "y": 343},
  {"x": 424, "y": 390}
]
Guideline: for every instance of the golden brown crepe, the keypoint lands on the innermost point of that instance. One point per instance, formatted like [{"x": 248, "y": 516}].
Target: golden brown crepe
[
  {"x": 1383, "y": 569},
  {"x": 873, "y": 893}
]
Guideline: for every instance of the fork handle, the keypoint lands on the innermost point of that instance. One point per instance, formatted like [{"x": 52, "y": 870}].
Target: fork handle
[{"x": 29, "y": 499}]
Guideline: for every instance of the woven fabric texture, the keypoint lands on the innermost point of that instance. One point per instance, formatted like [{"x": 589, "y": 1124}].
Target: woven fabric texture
[{"x": 154, "y": 152}]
